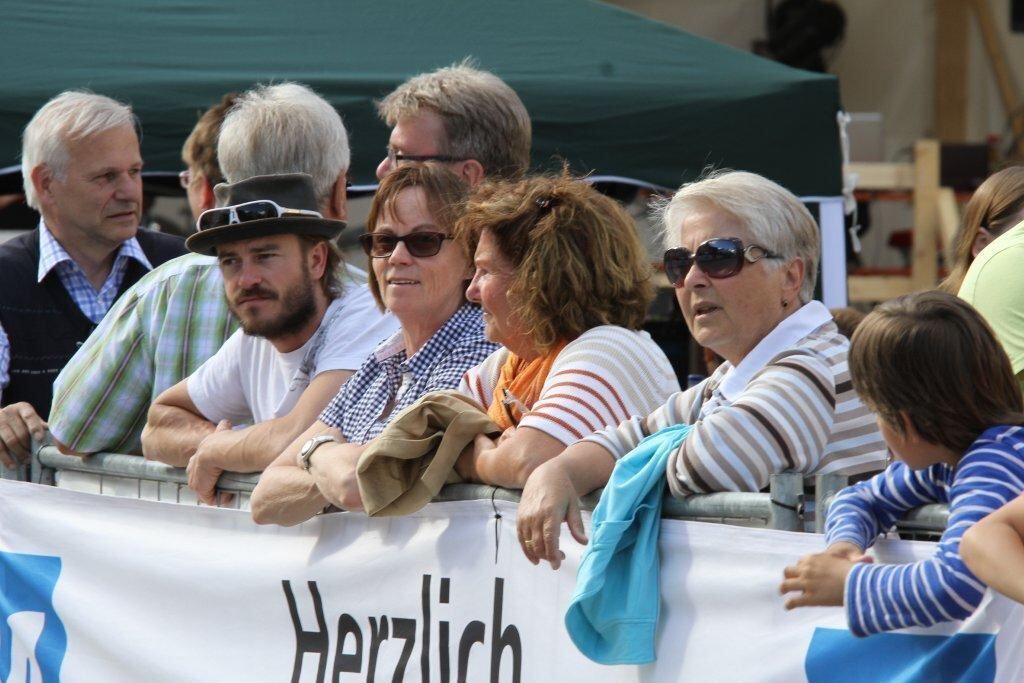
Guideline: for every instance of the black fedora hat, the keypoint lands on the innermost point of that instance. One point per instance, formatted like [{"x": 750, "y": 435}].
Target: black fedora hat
[{"x": 261, "y": 206}]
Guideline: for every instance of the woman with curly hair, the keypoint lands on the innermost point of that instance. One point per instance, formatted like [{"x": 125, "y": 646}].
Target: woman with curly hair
[{"x": 564, "y": 285}]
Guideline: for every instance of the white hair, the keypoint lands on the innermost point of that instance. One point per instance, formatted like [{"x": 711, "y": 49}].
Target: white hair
[
  {"x": 776, "y": 219},
  {"x": 284, "y": 128},
  {"x": 70, "y": 116}
]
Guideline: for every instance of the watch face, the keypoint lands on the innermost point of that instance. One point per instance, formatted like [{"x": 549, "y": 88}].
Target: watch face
[{"x": 311, "y": 445}]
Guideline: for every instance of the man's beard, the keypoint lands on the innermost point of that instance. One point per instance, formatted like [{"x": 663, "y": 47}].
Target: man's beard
[{"x": 298, "y": 306}]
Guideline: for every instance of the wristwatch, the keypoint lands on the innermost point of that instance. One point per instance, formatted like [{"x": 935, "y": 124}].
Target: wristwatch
[{"x": 306, "y": 452}]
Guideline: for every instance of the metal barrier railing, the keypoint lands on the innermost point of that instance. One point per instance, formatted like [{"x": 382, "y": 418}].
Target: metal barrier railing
[
  {"x": 789, "y": 503},
  {"x": 131, "y": 476},
  {"x": 778, "y": 509}
]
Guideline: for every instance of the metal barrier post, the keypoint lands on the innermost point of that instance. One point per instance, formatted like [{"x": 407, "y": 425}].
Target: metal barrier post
[
  {"x": 786, "y": 490},
  {"x": 826, "y": 486}
]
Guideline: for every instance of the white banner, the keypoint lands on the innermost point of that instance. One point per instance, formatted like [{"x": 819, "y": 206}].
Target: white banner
[{"x": 95, "y": 588}]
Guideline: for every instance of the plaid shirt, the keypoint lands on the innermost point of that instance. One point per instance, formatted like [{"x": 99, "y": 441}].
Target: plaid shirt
[
  {"x": 158, "y": 333},
  {"x": 93, "y": 304},
  {"x": 387, "y": 378}
]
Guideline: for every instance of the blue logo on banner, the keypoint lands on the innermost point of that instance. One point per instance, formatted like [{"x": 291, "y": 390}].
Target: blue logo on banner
[
  {"x": 836, "y": 656},
  {"x": 29, "y": 627}
]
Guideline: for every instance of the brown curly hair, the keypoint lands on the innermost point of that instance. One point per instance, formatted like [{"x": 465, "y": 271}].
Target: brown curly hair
[
  {"x": 577, "y": 259},
  {"x": 446, "y": 195}
]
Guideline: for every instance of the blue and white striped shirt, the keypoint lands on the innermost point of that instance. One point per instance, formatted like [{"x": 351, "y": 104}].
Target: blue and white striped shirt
[
  {"x": 885, "y": 597},
  {"x": 387, "y": 382}
]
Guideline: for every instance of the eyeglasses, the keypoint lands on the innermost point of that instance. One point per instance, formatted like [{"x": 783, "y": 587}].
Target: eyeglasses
[
  {"x": 185, "y": 178},
  {"x": 396, "y": 158},
  {"x": 719, "y": 257},
  {"x": 258, "y": 210},
  {"x": 418, "y": 244}
]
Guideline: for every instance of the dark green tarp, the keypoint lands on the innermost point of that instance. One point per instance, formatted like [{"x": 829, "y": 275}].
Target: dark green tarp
[{"x": 610, "y": 91}]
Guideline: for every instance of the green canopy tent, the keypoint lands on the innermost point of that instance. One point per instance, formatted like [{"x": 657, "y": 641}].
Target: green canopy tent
[{"x": 611, "y": 92}]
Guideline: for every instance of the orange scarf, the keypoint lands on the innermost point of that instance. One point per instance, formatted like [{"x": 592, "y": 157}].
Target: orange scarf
[{"x": 519, "y": 386}]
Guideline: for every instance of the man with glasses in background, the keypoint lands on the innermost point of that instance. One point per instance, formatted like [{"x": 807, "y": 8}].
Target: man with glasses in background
[
  {"x": 461, "y": 116},
  {"x": 82, "y": 170}
]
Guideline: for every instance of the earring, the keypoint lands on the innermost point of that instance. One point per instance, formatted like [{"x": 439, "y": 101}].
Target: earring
[{"x": 785, "y": 304}]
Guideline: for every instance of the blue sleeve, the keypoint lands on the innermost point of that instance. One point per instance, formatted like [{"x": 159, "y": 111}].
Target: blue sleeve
[
  {"x": 862, "y": 512},
  {"x": 883, "y": 597},
  {"x": 5, "y": 361}
]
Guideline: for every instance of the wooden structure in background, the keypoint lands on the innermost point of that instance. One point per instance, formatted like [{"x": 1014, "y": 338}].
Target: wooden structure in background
[
  {"x": 935, "y": 220},
  {"x": 952, "y": 24},
  {"x": 951, "y": 38}
]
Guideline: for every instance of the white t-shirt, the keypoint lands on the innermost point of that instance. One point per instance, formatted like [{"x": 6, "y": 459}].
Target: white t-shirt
[{"x": 249, "y": 381}]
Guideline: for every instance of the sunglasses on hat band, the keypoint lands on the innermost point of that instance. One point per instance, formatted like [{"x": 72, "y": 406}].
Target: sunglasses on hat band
[
  {"x": 418, "y": 244},
  {"x": 258, "y": 210},
  {"x": 719, "y": 257}
]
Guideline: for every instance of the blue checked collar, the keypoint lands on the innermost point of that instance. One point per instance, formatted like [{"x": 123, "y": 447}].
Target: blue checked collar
[
  {"x": 466, "y": 318},
  {"x": 391, "y": 353},
  {"x": 51, "y": 253}
]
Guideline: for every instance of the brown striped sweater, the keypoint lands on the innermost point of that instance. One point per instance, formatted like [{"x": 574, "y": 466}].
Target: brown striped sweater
[{"x": 796, "y": 411}]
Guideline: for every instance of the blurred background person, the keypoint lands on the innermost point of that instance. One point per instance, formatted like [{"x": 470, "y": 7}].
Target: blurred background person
[{"x": 995, "y": 207}]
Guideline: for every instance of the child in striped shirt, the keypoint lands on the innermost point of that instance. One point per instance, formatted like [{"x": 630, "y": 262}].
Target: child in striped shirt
[{"x": 950, "y": 410}]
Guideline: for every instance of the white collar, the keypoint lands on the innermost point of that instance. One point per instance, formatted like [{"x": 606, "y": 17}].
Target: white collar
[
  {"x": 787, "y": 333},
  {"x": 390, "y": 347}
]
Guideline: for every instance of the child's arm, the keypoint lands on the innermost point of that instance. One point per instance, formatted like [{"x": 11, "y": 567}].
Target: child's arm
[
  {"x": 887, "y": 597},
  {"x": 855, "y": 519},
  {"x": 994, "y": 549},
  {"x": 862, "y": 512}
]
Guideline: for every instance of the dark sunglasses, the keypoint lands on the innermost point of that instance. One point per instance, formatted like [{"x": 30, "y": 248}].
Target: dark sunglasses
[
  {"x": 418, "y": 244},
  {"x": 250, "y": 211},
  {"x": 719, "y": 257}
]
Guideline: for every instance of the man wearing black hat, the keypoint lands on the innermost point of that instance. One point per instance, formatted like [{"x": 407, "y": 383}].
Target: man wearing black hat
[{"x": 302, "y": 335}]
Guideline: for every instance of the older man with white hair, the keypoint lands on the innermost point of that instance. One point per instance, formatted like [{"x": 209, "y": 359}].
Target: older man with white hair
[{"x": 82, "y": 171}]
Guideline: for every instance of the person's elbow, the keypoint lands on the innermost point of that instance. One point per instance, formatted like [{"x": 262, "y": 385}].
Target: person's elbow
[
  {"x": 279, "y": 498},
  {"x": 153, "y": 432},
  {"x": 263, "y": 511},
  {"x": 66, "y": 450},
  {"x": 264, "y": 505},
  {"x": 972, "y": 546},
  {"x": 149, "y": 438}
]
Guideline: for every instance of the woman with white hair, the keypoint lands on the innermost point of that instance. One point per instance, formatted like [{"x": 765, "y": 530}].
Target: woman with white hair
[{"x": 743, "y": 257}]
